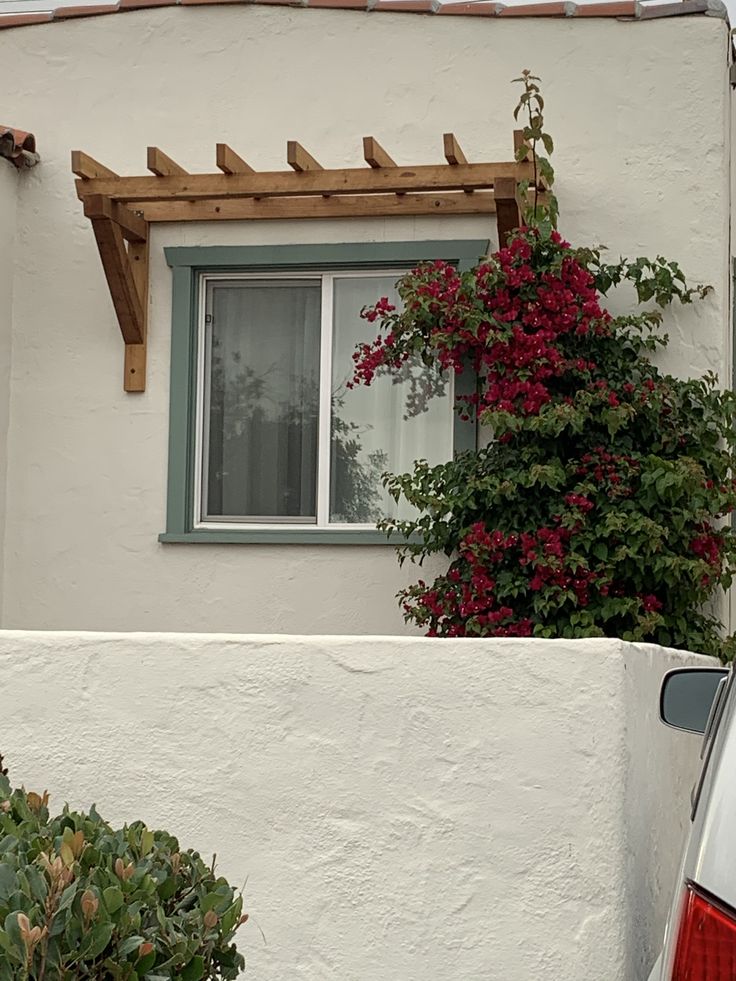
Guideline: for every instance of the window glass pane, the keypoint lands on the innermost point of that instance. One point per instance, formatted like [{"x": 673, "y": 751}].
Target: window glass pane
[
  {"x": 370, "y": 431},
  {"x": 262, "y": 380}
]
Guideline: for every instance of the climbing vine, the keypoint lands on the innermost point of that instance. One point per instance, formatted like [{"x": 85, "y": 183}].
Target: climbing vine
[{"x": 598, "y": 507}]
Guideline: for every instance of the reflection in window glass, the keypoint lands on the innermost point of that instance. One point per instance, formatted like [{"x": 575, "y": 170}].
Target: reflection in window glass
[
  {"x": 370, "y": 431},
  {"x": 262, "y": 381}
]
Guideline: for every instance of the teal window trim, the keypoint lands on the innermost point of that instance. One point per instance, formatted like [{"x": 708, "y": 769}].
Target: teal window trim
[{"x": 187, "y": 264}]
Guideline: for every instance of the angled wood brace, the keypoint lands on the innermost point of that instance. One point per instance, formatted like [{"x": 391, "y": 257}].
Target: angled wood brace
[{"x": 126, "y": 271}]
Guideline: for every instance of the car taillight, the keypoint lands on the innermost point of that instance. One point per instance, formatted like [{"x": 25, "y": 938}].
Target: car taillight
[{"x": 706, "y": 942}]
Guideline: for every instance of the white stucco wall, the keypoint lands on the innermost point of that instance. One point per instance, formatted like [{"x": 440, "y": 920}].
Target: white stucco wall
[
  {"x": 402, "y": 808},
  {"x": 9, "y": 189},
  {"x": 642, "y": 160}
]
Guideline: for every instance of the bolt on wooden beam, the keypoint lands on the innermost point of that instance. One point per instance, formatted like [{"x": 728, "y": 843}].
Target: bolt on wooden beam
[{"x": 163, "y": 166}]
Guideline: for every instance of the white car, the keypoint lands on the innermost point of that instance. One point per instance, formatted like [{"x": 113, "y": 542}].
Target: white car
[{"x": 700, "y": 939}]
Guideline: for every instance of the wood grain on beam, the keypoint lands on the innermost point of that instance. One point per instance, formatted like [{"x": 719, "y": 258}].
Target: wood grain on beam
[
  {"x": 229, "y": 162},
  {"x": 298, "y": 158},
  {"x": 374, "y": 154},
  {"x": 87, "y": 168},
  {"x": 133, "y": 227},
  {"x": 362, "y": 180},
  {"x": 339, "y": 206},
  {"x": 134, "y": 371},
  {"x": 123, "y": 290},
  {"x": 453, "y": 151},
  {"x": 162, "y": 165},
  {"x": 507, "y": 208}
]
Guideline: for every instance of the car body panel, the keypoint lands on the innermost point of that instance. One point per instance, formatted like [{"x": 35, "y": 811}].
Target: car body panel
[{"x": 709, "y": 860}]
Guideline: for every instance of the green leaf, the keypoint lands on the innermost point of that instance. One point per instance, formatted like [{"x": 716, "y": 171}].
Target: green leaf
[
  {"x": 128, "y": 945},
  {"x": 67, "y": 897},
  {"x": 113, "y": 898},
  {"x": 95, "y": 941},
  {"x": 146, "y": 842},
  {"x": 194, "y": 970}
]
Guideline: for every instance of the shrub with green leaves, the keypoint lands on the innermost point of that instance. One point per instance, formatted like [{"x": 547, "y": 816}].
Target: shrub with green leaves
[{"x": 79, "y": 899}]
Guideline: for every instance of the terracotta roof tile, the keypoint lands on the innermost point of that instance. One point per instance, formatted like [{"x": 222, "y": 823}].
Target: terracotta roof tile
[
  {"x": 201, "y": 3},
  {"x": 141, "y": 4},
  {"x": 464, "y": 8},
  {"x": 18, "y": 146},
  {"x": 85, "y": 11},
  {"x": 408, "y": 6},
  {"x": 340, "y": 4},
  {"x": 473, "y": 8},
  {"x": 20, "y": 20},
  {"x": 560, "y": 9},
  {"x": 618, "y": 8}
]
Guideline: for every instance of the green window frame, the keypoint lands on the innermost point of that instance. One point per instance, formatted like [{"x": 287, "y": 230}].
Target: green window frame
[{"x": 188, "y": 263}]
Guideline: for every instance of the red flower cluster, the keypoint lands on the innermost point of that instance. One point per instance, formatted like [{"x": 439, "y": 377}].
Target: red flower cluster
[
  {"x": 708, "y": 546},
  {"x": 516, "y": 342},
  {"x": 611, "y": 468},
  {"x": 466, "y": 601},
  {"x": 579, "y": 501}
]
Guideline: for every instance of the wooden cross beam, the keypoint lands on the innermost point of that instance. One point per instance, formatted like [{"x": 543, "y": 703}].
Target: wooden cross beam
[{"x": 121, "y": 208}]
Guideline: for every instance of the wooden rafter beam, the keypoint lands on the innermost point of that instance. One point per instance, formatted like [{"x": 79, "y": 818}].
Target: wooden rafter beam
[
  {"x": 87, "y": 168},
  {"x": 339, "y": 206},
  {"x": 453, "y": 151},
  {"x": 229, "y": 162},
  {"x": 298, "y": 158},
  {"x": 361, "y": 180},
  {"x": 374, "y": 154},
  {"x": 161, "y": 165}
]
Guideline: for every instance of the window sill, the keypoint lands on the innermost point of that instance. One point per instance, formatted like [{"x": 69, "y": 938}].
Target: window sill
[{"x": 281, "y": 536}]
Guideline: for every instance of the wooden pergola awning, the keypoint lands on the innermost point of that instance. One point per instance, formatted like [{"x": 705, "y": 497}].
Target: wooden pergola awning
[{"x": 122, "y": 208}]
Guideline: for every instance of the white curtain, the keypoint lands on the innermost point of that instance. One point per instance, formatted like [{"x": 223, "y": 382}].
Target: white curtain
[
  {"x": 370, "y": 433},
  {"x": 263, "y": 392}
]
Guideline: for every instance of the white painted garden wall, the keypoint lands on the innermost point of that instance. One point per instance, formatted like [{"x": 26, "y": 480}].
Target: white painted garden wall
[
  {"x": 404, "y": 809},
  {"x": 639, "y": 111}
]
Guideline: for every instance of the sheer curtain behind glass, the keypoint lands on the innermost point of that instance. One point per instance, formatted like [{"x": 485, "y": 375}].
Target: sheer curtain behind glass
[
  {"x": 370, "y": 433},
  {"x": 262, "y": 390}
]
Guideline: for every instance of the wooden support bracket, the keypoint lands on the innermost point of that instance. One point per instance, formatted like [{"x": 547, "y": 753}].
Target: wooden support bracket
[
  {"x": 126, "y": 271},
  {"x": 507, "y": 208}
]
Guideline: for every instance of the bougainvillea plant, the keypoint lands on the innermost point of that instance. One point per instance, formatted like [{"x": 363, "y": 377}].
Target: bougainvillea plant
[{"x": 598, "y": 507}]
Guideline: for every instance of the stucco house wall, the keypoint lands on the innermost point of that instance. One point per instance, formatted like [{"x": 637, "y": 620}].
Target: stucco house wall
[
  {"x": 639, "y": 111},
  {"x": 402, "y": 808}
]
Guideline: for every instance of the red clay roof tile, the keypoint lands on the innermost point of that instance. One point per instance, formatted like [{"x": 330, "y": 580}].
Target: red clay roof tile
[
  {"x": 408, "y": 6},
  {"x": 18, "y": 146},
  {"x": 141, "y": 4},
  {"x": 473, "y": 8},
  {"x": 469, "y": 8},
  {"x": 339, "y": 4},
  {"x": 20, "y": 20},
  {"x": 92, "y": 10},
  {"x": 617, "y": 8},
  {"x": 560, "y": 9}
]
